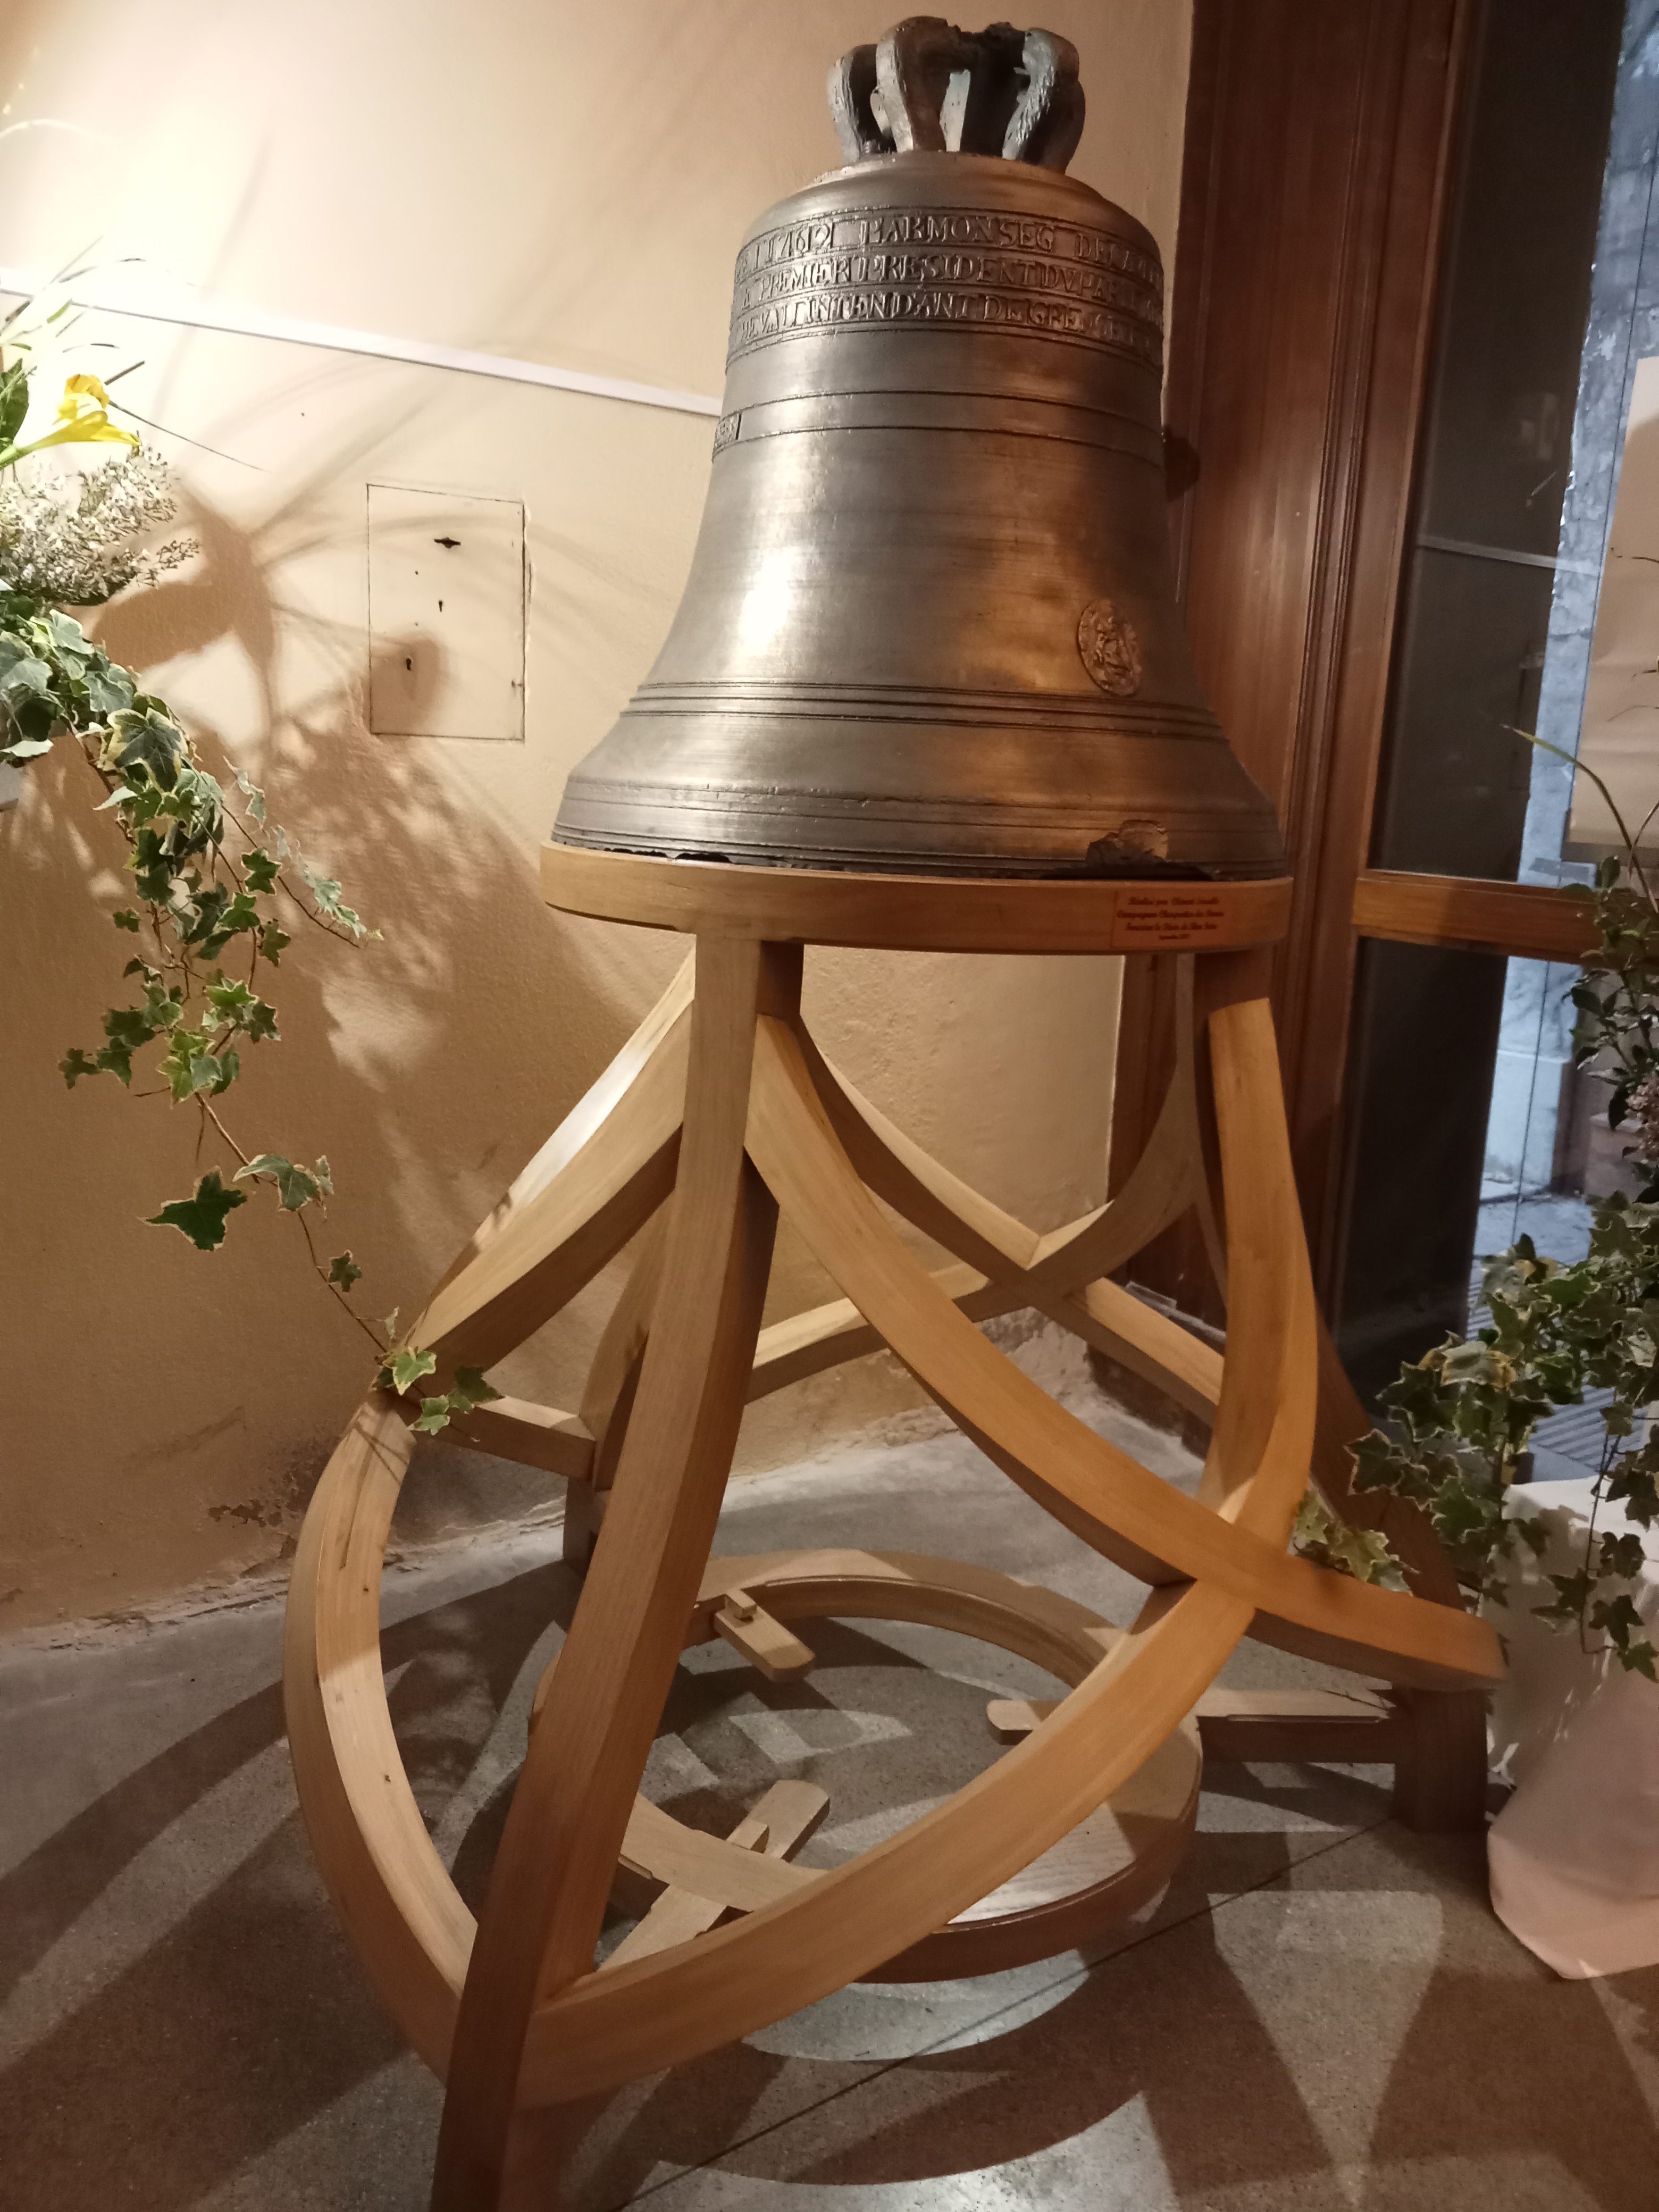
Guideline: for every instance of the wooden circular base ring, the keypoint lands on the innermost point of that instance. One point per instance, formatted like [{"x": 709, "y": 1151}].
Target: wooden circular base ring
[{"x": 1106, "y": 1868}]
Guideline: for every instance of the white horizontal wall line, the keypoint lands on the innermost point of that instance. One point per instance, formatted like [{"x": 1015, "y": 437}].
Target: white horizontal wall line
[{"x": 208, "y": 314}]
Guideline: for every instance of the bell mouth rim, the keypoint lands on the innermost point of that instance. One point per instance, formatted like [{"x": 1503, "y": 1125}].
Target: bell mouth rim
[
  {"x": 900, "y": 913},
  {"x": 913, "y": 867}
]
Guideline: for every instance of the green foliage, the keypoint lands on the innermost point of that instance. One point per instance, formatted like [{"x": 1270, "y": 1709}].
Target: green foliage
[
  {"x": 296, "y": 1186},
  {"x": 202, "y": 1218},
  {"x": 203, "y": 899},
  {"x": 210, "y": 877},
  {"x": 1459, "y": 1421},
  {"x": 468, "y": 1389},
  {"x": 1362, "y": 1552},
  {"x": 404, "y": 1366}
]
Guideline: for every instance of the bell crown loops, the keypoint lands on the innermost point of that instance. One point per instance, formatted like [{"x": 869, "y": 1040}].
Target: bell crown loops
[{"x": 930, "y": 88}]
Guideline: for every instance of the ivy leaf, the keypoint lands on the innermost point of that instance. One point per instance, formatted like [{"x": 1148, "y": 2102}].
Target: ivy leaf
[
  {"x": 296, "y": 1186},
  {"x": 273, "y": 942},
  {"x": 326, "y": 892},
  {"x": 202, "y": 1218},
  {"x": 186, "y": 1050},
  {"x": 1460, "y": 1516},
  {"x": 1317, "y": 1535},
  {"x": 343, "y": 1271},
  {"x": 131, "y": 1026},
  {"x": 144, "y": 746},
  {"x": 24, "y": 749},
  {"x": 109, "y": 689},
  {"x": 228, "y": 1000},
  {"x": 233, "y": 1002},
  {"x": 252, "y": 793},
  {"x": 23, "y": 674},
  {"x": 222, "y": 918},
  {"x": 469, "y": 1389},
  {"x": 261, "y": 869},
  {"x": 74, "y": 1065},
  {"x": 125, "y": 918},
  {"x": 408, "y": 1367}
]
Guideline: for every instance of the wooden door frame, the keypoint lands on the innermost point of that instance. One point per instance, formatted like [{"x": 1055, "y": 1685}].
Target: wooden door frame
[{"x": 1315, "y": 199}]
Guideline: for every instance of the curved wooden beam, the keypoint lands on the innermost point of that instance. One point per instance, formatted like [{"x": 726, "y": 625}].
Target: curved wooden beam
[
  {"x": 544, "y": 1250},
  {"x": 584, "y": 1120},
  {"x": 1107, "y": 1497},
  {"x": 1028, "y": 1269},
  {"x": 1162, "y": 1184},
  {"x": 609, "y": 2028},
  {"x": 1256, "y": 1469},
  {"x": 402, "y": 1912},
  {"x": 575, "y": 1791}
]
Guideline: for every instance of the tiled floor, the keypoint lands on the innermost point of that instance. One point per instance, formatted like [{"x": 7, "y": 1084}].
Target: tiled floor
[{"x": 1323, "y": 2013}]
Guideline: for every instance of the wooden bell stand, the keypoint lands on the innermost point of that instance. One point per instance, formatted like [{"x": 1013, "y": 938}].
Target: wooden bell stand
[{"x": 722, "y": 1101}]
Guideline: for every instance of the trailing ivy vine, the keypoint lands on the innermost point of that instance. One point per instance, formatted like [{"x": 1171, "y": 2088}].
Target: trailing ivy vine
[{"x": 218, "y": 890}]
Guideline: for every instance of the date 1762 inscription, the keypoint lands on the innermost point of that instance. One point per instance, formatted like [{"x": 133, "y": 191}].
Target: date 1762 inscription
[{"x": 958, "y": 265}]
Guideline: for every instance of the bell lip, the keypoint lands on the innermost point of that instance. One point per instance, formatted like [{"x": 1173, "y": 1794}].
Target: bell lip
[
  {"x": 926, "y": 161},
  {"x": 893, "y": 913},
  {"x": 908, "y": 863}
]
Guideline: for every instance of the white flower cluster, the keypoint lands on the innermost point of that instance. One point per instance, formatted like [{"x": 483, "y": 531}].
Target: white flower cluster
[{"x": 75, "y": 541}]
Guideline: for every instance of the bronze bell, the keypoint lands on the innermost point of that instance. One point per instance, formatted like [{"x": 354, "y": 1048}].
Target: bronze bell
[{"x": 930, "y": 626}]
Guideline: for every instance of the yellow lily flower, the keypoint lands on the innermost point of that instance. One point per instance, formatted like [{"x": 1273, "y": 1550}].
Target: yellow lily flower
[{"x": 82, "y": 420}]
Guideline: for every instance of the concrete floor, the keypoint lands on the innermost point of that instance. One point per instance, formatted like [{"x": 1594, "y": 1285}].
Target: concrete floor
[{"x": 1322, "y": 2014}]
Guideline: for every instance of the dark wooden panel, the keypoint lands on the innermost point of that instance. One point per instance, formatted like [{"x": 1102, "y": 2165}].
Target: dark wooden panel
[{"x": 1312, "y": 207}]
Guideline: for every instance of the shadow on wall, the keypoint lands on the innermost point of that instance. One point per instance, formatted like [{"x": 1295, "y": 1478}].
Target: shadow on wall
[{"x": 427, "y": 1067}]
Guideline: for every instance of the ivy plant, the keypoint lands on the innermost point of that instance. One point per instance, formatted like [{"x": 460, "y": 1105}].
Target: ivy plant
[
  {"x": 1458, "y": 1423},
  {"x": 218, "y": 890}
]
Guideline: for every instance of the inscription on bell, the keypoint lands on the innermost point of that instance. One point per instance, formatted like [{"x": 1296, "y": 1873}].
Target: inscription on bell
[
  {"x": 1049, "y": 277},
  {"x": 1110, "y": 650}
]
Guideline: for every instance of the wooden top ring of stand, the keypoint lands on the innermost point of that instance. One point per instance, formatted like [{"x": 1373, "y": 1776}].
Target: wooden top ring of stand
[
  {"x": 1093, "y": 1879},
  {"x": 915, "y": 914}
]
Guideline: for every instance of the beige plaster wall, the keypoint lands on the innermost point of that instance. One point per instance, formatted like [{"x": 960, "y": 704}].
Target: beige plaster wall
[{"x": 566, "y": 184}]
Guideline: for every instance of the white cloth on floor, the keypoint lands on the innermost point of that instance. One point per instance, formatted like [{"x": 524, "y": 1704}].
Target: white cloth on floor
[{"x": 1574, "y": 1856}]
